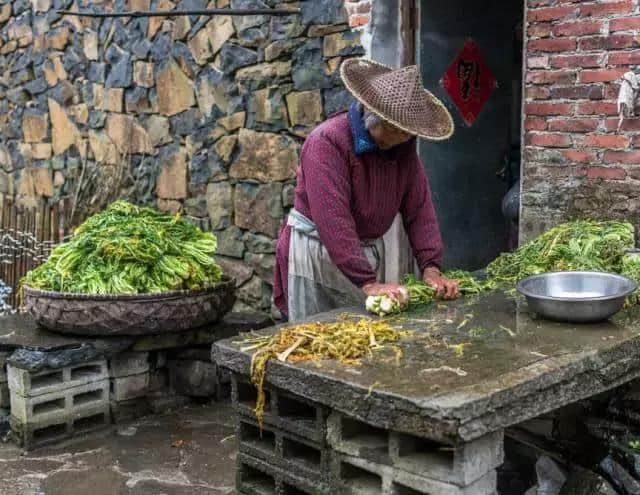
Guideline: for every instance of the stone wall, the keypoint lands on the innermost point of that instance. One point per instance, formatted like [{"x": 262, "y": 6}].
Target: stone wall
[
  {"x": 203, "y": 115},
  {"x": 575, "y": 163}
]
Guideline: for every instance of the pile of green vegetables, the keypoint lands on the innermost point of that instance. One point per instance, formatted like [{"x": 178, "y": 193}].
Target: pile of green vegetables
[
  {"x": 128, "y": 249},
  {"x": 579, "y": 245}
]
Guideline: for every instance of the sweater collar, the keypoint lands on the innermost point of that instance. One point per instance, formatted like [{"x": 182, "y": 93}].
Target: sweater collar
[{"x": 362, "y": 140}]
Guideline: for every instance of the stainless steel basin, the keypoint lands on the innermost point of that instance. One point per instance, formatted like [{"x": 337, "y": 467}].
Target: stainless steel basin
[{"x": 579, "y": 297}]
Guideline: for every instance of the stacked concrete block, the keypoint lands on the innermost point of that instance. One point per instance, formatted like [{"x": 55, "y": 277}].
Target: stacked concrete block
[
  {"x": 129, "y": 376},
  {"x": 54, "y": 404},
  {"x": 194, "y": 374},
  {"x": 289, "y": 454},
  {"x": 392, "y": 463}
]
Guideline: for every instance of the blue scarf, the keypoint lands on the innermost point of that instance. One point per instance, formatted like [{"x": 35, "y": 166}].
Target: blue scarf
[{"x": 362, "y": 140}]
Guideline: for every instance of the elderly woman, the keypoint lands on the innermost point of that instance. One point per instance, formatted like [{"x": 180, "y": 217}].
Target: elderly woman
[{"x": 357, "y": 171}]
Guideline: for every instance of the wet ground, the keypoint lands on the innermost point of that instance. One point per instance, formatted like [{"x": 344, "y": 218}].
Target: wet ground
[{"x": 186, "y": 452}]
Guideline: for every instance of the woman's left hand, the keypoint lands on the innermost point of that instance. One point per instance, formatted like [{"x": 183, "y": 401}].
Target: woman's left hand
[{"x": 445, "y": 288}]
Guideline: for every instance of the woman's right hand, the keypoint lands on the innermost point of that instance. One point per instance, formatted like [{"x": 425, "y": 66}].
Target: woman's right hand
[{"x": 395, "y": 291}]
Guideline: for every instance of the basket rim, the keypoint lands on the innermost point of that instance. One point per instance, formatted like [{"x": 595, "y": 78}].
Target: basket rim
[{"x": 160, "y": 296}]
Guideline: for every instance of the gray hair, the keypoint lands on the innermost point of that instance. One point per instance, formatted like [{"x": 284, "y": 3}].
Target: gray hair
[{"x": 371, "y": 119}]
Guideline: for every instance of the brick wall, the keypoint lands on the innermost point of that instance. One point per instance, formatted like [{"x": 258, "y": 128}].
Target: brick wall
[{"x": 575, "y": 163}]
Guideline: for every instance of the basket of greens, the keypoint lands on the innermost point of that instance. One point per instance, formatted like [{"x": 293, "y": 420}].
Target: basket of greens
[{"x": 130, "y": 271}]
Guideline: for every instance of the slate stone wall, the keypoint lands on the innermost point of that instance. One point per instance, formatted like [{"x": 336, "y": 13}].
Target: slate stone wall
[
  {"x": 576, "y": 163},
  {"x": 193, "y": 114}
]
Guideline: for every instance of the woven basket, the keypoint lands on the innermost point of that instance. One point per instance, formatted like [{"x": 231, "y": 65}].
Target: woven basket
[{"x": 140, "y": 314}]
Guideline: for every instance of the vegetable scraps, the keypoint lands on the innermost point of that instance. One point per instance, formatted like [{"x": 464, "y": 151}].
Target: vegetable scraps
[
  {"x": 346, "y": 341},
  {"x": 127, "y": 249}
]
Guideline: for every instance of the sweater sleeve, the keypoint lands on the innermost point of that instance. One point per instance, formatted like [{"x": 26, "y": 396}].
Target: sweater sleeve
[
  {"x": 420, "y": 219},
  {"x": 328, "y": 185}
]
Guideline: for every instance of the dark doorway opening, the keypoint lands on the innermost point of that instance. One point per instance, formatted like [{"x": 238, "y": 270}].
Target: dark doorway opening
[{"x": 472, "y": 172}]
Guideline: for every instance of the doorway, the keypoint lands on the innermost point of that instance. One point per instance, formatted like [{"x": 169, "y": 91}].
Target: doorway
[{"x": 471, "y": 173}]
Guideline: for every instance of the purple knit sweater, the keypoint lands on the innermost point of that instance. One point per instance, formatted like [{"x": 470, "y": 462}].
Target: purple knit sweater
[{"x": 352, "y": 197}]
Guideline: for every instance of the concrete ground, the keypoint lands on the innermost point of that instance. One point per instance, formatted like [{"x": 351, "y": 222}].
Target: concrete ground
[{"x": 186, "y": 452}]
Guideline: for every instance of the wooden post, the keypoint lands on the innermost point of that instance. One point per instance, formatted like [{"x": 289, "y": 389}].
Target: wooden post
[{"x": 408, "y": 26}]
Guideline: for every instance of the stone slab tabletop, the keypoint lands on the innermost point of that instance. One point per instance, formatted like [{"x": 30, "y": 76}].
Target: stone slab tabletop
[
  {"x": 470, "y": 367},
  {"x": 34, "y": 348}
]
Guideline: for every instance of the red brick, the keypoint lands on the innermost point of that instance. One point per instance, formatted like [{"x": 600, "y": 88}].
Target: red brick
[
  {"x": 606, "y": 173},
  {"x": 580, "y": 28},
  {"x": 600, "y": 75},
  {"x": 594, "y": 43},
  {"x": 359, "y": 20},
  {"x": 573, "y": 125},
  {"x": 552, "y": 45},
  {"x": 577, "y": 92},
  {"x": 539, "y": 30},
  {"x": 538, "y": 92},
  {"x": 535, "y": 124},
  {"x": 601, "y": 9},
  {"x": 627, "y": 125},
  {"x": 580, "y": 156},
  {"x": 548, "y": 109},
  {"x": 539, "y": 62},
  {"x": 551, "y": 77},
  {"x": 617, "y": 41},
  {"x": 624, "y": 58},
  {"x": 611, "y": 91},
  {"x": 624, "y": 24},
  {"x": 551, "y": 14},
  {"x": 549, "y": 140},
  {"x": 538, "y": 3},
  {"x": 574, "y": 61},
  {"x": 598, "y": 108},
  {"x": 635, "y": 141},
  {"x": 605, "y": 141},
  {"x": 626, "y": 157}
]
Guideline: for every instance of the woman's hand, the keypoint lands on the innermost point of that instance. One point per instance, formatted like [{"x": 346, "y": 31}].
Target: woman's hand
[
  {"x": 445, "y": 288},
  {"x": 395, "y": 291}
]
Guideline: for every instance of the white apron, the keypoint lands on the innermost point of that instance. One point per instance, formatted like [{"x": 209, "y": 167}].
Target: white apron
[{"x": 315, "y": 283}]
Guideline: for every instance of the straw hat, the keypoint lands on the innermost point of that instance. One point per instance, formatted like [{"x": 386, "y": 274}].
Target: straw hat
[{"x": 398, "y": 96}]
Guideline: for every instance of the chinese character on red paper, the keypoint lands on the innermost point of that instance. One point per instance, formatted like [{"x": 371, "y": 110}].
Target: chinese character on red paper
[{"x": 469, "y": 82}]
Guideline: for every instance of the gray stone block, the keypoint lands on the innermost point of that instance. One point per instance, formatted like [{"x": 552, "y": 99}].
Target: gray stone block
[
  {"x": 40, "y": 433},
  {"x": 129, "y": 387},
  {"x": 159, "y": 381},
  {"x": 128, "y": 363},
  {"x": 194, "y": 378},
  {"x": 57, "y": 406},
  {"x": 31, "y": 384},
  {"x": 5, "y": 401},
  {"x": 129, "y": 409},
  {"x": 201, "y": 353},
  {"x": 164, "y": 404}
]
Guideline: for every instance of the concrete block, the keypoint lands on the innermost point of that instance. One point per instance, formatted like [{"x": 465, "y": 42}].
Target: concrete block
[
  {"x": 40, "y": 433},
  {"x": 157, "y": 359},
  {"x": 159, "y": 381},
  {"x": 28, "y": 384},
  {"x": 128, "y": 363},
  {"x": 5, "y": 398},
  {"x": 129, "y": 409},
  {"x": 353, "y": 437},
  {"x": 357, "y": 476},
  {"x": 193, "y": 378},
  {"x": 460, "y": 465},
  {"x": 290, "y": 413},
  {"x": 56, "y": 406},
  {"x": 201, "y": 353},
  {"x": 129, "y": 387}
]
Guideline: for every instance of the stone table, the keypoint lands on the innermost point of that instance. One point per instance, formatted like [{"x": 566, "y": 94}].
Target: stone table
[{"x": 433, "y": 421}]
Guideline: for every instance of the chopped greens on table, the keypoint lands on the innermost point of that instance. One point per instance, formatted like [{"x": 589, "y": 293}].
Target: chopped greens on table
[{"x": 127, "y": 249}]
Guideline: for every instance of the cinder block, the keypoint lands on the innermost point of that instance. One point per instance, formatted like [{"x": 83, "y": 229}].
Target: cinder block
[
  {"x": 353, "y": 437},
  {"x": 56, "y": 406},
  {"x": 5, "y": 397},
  {"x": 30, "y": 384},
  {"x": 129, "y": 387},
  {"x": 357, "y": 476},
  {"x": 288, "y": 412},
  {"x": 165, "y": 404},
  {"x": 129, "y": 409},
  {"x": 128, "y": 363},
  {"x": 40, "y": 433},
  {"x": 460, "y": 465},
  {"x": 159, "y": 381}
]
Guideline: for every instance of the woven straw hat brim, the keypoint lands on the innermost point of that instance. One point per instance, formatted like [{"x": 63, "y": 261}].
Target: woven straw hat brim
[{"x": 399, "y": 97}]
